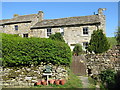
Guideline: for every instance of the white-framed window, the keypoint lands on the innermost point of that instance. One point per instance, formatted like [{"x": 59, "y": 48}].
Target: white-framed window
[
  {"x": 62, "y": 31},
  {"x": 85, "y": 30},
  {"x": 85, "y": 45},
  {"x": 49, "y": 31},
  {"x": 16, "y": 27}
]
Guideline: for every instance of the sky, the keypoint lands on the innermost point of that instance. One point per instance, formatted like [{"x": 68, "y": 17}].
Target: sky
[{"x": 54, "y": 10}]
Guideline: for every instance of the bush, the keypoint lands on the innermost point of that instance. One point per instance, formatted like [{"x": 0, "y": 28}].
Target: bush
[
  {"x": 98, "y": 42},
  {"x": 57, "y": 36},
  {"x": 118, "y": 35},
  {"x": 18, "y": 51},
  {"x": 108, "y": 77},
  {"x": 77, "y": 49}
]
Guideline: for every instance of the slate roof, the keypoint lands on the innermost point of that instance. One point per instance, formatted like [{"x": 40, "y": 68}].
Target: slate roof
[
  {"x": 18, "y": 19},
  {"x": 67, "y": 21}
]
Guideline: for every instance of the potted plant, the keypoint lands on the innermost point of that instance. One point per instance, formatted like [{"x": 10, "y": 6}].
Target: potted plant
[
  {"x": 44, "y": 83},
  {"x": 42, "y": 80},
  {"x": 57, "y": 82},
  {"x": 51, "y": 81},
  {"x": 62, "y": 81},
  {"x": 38, "y": 83}
]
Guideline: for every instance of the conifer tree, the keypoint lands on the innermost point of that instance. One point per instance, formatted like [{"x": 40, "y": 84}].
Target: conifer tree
[{"x": 98, "y": 42}]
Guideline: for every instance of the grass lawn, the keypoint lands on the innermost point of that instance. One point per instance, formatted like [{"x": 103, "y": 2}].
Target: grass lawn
[
  {"x": 92, "y": 83},
  {"x": 112, "y": 41},
  {"x": 73, "y": 82}
]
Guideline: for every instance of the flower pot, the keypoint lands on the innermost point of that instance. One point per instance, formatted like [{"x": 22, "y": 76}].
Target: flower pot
[
  {"x": 62, "y": 82},
  {"x": 42, "y": 80},
  {"x": 57, "y": 82},
  {"x": 51, "y": 81},
  {"x": 38, "y": 83},
  {"x": 44, "y": 83}
]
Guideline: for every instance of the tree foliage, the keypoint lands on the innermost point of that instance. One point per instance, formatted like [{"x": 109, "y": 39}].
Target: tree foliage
[
  {"x": 118, "y": 35},
  {"x": 77, "y": 49},
  {"x": 57, "y": 36},
  {"x": 17, "y": 51},
  {"x": 98, "y": 42}
]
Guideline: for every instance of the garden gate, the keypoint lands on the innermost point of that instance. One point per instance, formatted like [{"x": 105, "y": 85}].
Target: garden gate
[{"x": 78, "y": 65}]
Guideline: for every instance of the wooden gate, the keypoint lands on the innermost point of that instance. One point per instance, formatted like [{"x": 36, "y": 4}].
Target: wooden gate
[{"x": 78, "y": 65}]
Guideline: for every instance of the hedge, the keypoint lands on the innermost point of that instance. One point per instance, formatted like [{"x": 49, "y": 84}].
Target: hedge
[{"x": 17, "y": 51}]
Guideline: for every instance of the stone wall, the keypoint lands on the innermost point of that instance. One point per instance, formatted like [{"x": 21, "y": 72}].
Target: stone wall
[
  {"x": 27, "y": 76},
  {"x": 23, "y": 27},
  {"x": 72, "y": 35},
  {"x": 108, "y": 60}
]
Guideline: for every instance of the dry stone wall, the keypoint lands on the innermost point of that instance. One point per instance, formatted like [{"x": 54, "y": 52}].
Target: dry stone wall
[
  {"x": 27, "y": 76},
  {"x": 108, "y": 60}
]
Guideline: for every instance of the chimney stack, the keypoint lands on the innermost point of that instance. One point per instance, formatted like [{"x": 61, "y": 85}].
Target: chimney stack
[
  {"x": 40, "y": 16},
  {"x": 100, "y": 11}
]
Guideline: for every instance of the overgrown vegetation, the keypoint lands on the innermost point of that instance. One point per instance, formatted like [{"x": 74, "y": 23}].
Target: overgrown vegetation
[
  {"x": 98, "y": 42},
  {"x": 110, "y": 79},
  {"x": 57, "y": 37},
  {"x": 112, "y": 41},
  {"x": 117, "y": 35},
  {"x": 17, "y": 51},
  {"x": 107, "y": 76},
  {"x": 77, "y": 50}
]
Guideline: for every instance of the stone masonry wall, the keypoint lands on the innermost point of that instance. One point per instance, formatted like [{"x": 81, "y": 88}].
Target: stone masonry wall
[
  {"x": 108, "y": 60},
  {"x": 27, "y": 76},
  {"x": 72, "y": 35}
]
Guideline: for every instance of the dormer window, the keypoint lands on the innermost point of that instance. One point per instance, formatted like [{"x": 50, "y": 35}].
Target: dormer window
[
  {"x": 85, "y": 30},
  {"x": 16, "y": 27},
  {"x": 49, "y": 31}
]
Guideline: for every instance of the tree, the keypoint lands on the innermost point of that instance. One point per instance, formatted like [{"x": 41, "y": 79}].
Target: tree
[
  {"x": 118, "y": 35},
  {"x": 57, "y": 36},
  {"x": 77, "y": 49},
  {"x": 98, "y": 42}
]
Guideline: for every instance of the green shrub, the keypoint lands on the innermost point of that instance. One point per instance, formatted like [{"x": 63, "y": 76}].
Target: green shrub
[
  {"x": 57, "y": 36},
  {"x": 77, "y": 49},
  {"x": 18, "y": 51},
  {"x": 112, "y": 41},
  {"x": 98, "y": 42},
  {"x": 108, "y": 77},
  {"x": 118, "y": 35}
]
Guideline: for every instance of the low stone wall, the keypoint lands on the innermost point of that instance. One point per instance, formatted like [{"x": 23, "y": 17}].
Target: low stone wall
[
  {"x": 108, "y": 60},
  {"x": 27, "y": 76}
]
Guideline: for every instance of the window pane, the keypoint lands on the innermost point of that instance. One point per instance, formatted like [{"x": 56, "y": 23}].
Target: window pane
[
  {"x": 85, "y": 45},
  {"x": 49, "y": 31},
  {"x": 85, "y": 30},
  {"x": 16, "y": 27}
]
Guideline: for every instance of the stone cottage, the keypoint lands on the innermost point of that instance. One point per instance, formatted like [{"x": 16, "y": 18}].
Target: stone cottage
[{"x": 74, "y": 29}]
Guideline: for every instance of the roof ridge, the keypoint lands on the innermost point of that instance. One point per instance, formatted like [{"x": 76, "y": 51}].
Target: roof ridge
[{"x": 69, "y": 17}]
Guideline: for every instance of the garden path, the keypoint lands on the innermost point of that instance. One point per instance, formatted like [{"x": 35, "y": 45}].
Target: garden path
[{"x": 85, "y": 81}]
